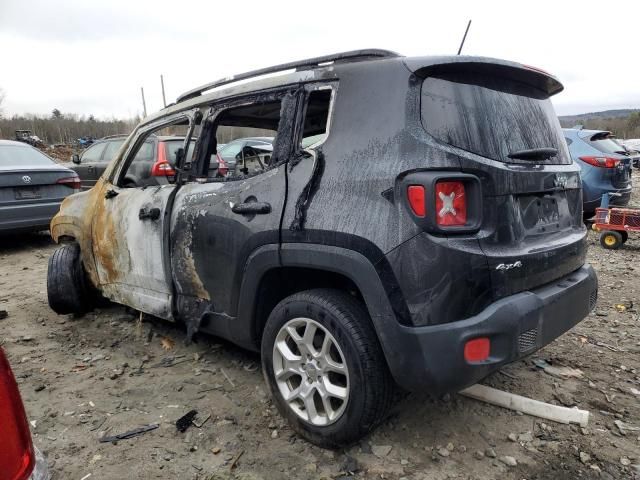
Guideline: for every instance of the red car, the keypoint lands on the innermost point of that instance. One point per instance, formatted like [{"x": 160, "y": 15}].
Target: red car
[{"x": 19, "y": 459}]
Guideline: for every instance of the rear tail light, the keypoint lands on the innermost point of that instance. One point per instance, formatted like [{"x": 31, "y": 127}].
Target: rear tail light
[
  {"x": 477, "y": 350},
  {"x": 415, "y": 194},
  {"x": 17, "y": 457},
  {"x": 162, "y": 167},
  {"x": 451, "y": 203},
  {"x": 604, "y": 162},
  {"x": 71, "y": 182},
  {"x": 223, "y": 169}
]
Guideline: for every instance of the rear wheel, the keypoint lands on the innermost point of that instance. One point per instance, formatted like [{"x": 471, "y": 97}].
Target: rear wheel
[
  {"x": 625, "y": 236},
  {"x": 68, "y": 290},
  {"x": 325, "y": 368},
  {"x": 611, "y": 239}
]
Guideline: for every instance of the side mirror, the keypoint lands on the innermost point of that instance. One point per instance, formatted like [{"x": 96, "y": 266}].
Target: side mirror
[{"x": 75, "y": 158}]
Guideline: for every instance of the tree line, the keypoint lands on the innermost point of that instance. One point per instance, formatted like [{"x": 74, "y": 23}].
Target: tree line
[{"x": 60, "y": 128}]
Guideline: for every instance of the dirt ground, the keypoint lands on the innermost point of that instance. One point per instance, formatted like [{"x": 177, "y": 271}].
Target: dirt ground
[{"x": 107, "y": 373}]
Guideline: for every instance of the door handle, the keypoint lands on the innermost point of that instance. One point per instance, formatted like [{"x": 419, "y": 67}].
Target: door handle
[
  {"x": 251, "y": 208},
  {"x": 149, "y": 213}
]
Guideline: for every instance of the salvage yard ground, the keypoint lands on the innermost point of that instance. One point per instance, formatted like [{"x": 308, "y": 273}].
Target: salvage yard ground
[{"x": 107, "y": 373}]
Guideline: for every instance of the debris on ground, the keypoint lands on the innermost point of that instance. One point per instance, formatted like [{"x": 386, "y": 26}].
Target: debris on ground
[
  {"x": 559, "y": 372},
  {"x": 527, "y": 405},
  {"x": 129, "y": 434},
  {"x": 186, "y": 420}
]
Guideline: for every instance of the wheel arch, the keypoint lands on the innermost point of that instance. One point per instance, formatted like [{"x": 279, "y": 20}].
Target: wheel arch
[{"x": 347, "y": 269}]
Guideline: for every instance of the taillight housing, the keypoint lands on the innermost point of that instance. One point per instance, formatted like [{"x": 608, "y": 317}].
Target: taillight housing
[
  {"x": 71, "y": 182},
  {"x": 162, "y": 167},
  {"x": 451, "y": 203},
  {"x": 444, "y": 202},
  {"x": 603, "y": 162},
  {"x": 17, "y": 457}
]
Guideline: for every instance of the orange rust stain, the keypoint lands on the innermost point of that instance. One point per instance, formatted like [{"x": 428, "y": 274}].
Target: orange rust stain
[{"x": 105, "y": 240}]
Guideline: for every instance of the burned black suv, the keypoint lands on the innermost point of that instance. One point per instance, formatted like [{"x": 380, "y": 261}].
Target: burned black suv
[{"x": 417, "y": 223}]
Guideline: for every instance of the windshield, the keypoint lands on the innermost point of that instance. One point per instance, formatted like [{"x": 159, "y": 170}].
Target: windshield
[
  {"x": 491, "y": 116},
  {"x": 230, "y": 150},
  {"x": 19, "y": 156}
]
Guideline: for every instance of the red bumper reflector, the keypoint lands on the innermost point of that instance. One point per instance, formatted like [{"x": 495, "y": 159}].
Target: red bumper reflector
[
  {"x": 477, "y": 350},
  {"x": 415, "y": 193}
]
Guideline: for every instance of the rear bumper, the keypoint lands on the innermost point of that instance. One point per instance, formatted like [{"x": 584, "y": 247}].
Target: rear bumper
[
  {"x": 432, "y": 358},
  {"x": 27, "y": 217},
  {"x": 590, "y": 204}
]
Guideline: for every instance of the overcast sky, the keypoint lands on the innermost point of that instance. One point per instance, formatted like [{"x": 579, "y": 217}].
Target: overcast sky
[{"x": 92, "y": 57}]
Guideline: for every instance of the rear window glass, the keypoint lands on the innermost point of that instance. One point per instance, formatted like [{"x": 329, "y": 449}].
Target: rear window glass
[
  {"x": 19, "y": 156},
  {"x": 491, "y": 116},
  {"x": 607, "y": 145}
]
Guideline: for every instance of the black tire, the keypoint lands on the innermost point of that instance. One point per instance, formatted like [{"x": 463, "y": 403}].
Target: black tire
[
  {"x": 625, "y": 236},
  {"x": 371, "y": 387},
  {"x": 68, "y": 290},
  {"x": 611, "y": 239}
]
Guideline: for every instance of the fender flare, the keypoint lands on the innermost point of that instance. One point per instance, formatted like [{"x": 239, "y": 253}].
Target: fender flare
[{"x": 351, "y": 264}]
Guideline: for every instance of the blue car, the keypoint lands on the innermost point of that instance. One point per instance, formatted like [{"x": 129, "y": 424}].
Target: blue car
[{"x": 605, "y": 167}]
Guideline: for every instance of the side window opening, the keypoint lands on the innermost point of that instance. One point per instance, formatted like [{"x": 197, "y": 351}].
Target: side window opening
[
  {"x": 245, "y": 136},
  {"x": 316, "y": 118},
  {"x": 154, "y": 160}
]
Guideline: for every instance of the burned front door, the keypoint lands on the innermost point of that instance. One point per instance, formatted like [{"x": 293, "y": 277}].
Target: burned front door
[{"x": 129, "y": 234}]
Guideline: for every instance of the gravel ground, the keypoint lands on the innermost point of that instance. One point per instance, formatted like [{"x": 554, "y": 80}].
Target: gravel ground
[{"x": 110, "y": 371}]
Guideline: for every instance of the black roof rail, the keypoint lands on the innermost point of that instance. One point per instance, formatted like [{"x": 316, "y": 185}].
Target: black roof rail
[{"x": 300, "y": 64}]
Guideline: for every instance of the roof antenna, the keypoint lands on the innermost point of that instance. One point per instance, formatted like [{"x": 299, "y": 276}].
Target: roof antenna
[{"x": 465, "y": 37}]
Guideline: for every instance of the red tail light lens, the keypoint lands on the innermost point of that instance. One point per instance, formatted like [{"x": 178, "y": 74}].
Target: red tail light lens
[
  {"x": 451, "y": 203},
  {"x": 415, "y": 194},
  {"x": 604, "y": 162},
  {"x": 71, "y": 182},
  {"x": 162, "y": 167},
  {"x": 477, "y": 350},
  {"x": 222, "y": 166},
  {"x": 16, "y": 450}
]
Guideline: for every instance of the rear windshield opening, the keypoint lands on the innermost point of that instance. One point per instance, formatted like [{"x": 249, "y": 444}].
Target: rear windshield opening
[
  {"x": 19, "y": 156},
  {"x": 606, "y": 144},
  {"x": 491, "y": 116}
]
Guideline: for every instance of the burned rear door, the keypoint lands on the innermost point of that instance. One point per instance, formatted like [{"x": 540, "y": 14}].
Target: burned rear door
[{"x": 218, "y": 222}]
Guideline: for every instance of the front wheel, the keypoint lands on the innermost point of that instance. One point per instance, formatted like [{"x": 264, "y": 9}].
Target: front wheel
[
  {"x": 325, "y": 368},
  {"x": 68, "y": 290}
]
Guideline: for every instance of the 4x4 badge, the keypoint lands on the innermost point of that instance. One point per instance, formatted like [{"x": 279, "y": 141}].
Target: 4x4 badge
[{"x": 509, "y": 266}]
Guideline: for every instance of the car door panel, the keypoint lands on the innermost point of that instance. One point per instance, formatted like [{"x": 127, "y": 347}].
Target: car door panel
[
  {"x": 210, "y": 243},
  {"x": 128, "y": 236}
]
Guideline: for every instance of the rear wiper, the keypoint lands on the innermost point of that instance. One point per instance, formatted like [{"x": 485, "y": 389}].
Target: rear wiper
[{"x": 534, "y": 154}]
